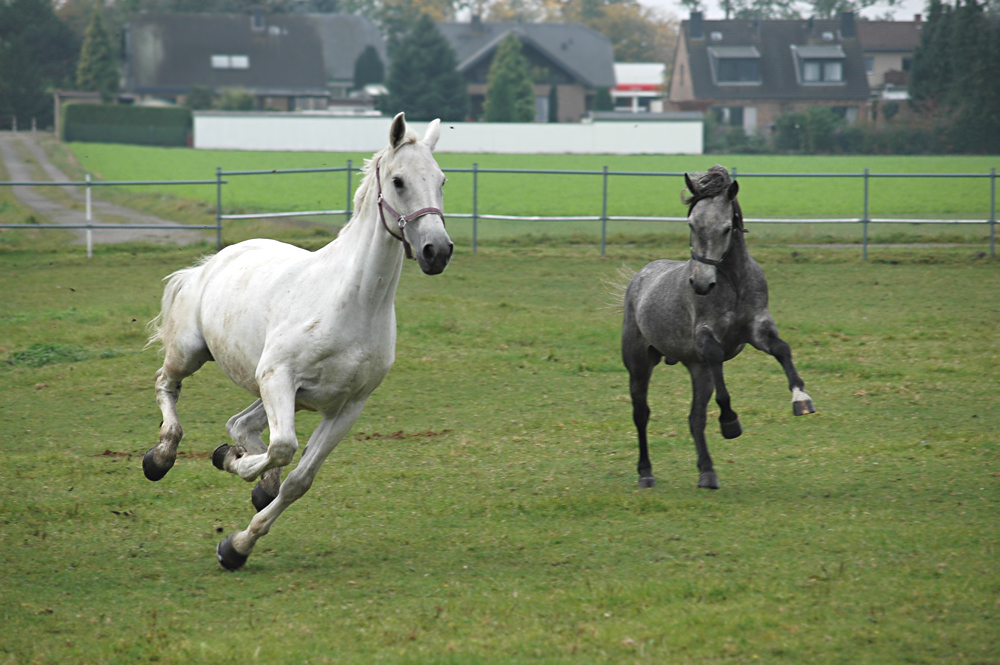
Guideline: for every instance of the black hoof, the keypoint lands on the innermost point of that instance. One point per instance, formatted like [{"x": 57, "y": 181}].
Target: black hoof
[
  {"x": 708, "y": 480},
  {"x": 646, "y": 482},
  {"x": 152, "y": 470},
  {"x": 803, "y": 407},
  {"x": 228, "y": 557},
  {"x": 732, "y": 429},
  {"x": 261, "y": 498},
  {"x": 219, "y": 456}
]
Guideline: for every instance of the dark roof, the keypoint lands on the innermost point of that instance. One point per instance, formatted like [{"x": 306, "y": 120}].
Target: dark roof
[
  {"x": 889, "y": 35},
  {"x": 581, "y": 52},
  {"x": 777, "y": 43},
  {"x": 344, "y": 37},
  {"x": 287, "y": 55}
]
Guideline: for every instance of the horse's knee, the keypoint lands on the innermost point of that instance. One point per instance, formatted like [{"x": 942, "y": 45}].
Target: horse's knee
[
  {"x": 295, "y": 486},
  {"x": 281, "y": 452}
]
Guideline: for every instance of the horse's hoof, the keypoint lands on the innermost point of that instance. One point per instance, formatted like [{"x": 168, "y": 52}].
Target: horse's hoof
[
  {"x": 261, "y": 498},
  {"x": 732, "y": 429},
  {"x": 803, "y": 407},
  {"x": 228, "y": 557},
  {"x": 153, "y": 470},
  {"x": 219, "y": 456},
  {"x": 708, "y": 480},
  {"x": 646, "y": 482}
]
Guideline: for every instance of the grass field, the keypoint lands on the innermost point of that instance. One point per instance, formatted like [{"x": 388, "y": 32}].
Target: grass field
[
  {"x": 513, "y": 194},
  {"x": 484, "y": 508}
]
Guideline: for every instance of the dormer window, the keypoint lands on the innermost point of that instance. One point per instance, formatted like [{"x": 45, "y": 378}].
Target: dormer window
[
  {"x": 735, "y": 65},
  {"x": 819, "y": 65}
]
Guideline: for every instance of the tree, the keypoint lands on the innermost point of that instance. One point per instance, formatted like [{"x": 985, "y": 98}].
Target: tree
[
  {"x": 97, "y": 70},
  {"x": 37, "y": 54},
  {"x": 368, "y": 68},
  {"x": 828, "y": 9},
  {"x": 510, "y": 95},
  {"x": 603, "y": 101},
  {"x": 553, "y": 103},
  {"x": 235, "y": 99},
  {"x": 424, "y": 80},
  {"x": 637, "y": 33},
  {"x": 199, "y": 98}
]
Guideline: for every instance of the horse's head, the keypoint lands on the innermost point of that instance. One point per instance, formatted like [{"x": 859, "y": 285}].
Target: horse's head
[
  {"x": 410, "y": 182},
  {"x": 715, "y": 219}
]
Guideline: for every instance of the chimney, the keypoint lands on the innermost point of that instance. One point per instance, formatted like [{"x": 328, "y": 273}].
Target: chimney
[
  {"x": 696, "y": 29},
  {"x": 847, "y": 25},
  {"x": 477, "y": 20},
  {"x": 916, "y": 18}
]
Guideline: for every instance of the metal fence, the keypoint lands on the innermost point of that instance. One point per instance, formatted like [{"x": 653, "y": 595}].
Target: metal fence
[{"x": 475, "y": 216}]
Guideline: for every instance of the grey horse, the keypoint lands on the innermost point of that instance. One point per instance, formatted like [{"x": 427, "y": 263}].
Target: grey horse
[{"x": 701, "y": 313}]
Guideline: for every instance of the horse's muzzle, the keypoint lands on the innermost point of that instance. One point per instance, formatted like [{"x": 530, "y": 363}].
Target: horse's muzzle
[
  {"x": 702, "y": 279},
  {"x": 434, "y": 257}
]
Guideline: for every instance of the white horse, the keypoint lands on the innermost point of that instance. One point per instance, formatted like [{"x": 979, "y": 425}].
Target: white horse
[{"x": 300, "y": 329}]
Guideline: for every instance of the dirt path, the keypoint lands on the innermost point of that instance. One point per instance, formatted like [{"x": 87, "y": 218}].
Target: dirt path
[{"x": 103, "y": 212}]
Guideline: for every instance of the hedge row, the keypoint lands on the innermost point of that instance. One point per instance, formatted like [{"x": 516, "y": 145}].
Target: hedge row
[{"x": 142, "y": 125}]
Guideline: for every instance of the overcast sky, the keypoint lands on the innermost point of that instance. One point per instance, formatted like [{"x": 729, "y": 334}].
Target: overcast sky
[{"x": 903, "y": 11}]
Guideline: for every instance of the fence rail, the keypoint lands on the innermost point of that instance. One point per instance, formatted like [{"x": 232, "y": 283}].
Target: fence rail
[{"x": 604, "y": 218}]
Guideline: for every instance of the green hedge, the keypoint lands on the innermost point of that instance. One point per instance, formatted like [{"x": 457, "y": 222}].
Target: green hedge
[{"x": 140, "y": 125}]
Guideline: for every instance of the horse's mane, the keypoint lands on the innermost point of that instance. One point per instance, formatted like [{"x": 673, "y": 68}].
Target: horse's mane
[
  {"x": 368, "y": 176},
  {"x": 710, "y": 184}
]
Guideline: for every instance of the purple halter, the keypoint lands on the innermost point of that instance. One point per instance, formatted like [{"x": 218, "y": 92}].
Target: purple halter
[{"x": 402, "y": 220}]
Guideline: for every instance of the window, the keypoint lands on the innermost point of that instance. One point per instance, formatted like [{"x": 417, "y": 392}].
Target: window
[
  {"x": 906, "y": 64},
  {"x": 738, "y": 71},
  {"x": 735, "y": 65},
  {"x": 811, "y": 72},
  {"x": 869, "y": 65},
  {"x": 820, "y": 64},
  {"x": 230, "y": 62},
  {"x": 716, "y": 36},
  {"x": 833, "y": 71}
]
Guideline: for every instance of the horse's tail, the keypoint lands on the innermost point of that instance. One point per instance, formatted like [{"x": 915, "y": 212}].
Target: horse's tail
[
  {"x": 614, "y": 289},
  {"x": 175, "y": 282}
]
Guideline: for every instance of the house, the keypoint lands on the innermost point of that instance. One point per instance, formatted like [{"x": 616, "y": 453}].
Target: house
[
  {"x": 888, "y": 48},
  {"x": 639, "y": 86},
  {"x": 751, "y": 71},
  {"x": 570, "y": 56},
  {"x": 286, "y": 61}
]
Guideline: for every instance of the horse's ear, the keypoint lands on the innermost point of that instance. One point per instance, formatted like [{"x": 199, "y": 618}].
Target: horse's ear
[
  {"x": 733, "y": 190},
  {"x": 398, "y": 130},
  {"x": 692, "y": 187},
  {"x": 433, "y": 133}
]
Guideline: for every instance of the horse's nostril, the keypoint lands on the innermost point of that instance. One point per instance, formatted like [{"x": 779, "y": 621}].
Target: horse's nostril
[
  {"x": 429, "y": 252},
  {"x": 711, "y": 286}
]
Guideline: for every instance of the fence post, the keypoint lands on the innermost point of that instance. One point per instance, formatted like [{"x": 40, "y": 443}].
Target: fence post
[
  {"x": 90, "y": 231},
  {"x": 993, "y": 211},
  {"x": 218, "y": 208},
  {"x": 350, "y": 165},
  {"x": 475, "y": 203},
  {"x": 864, "y": 222},
  {"x": 604, "y": 213}
]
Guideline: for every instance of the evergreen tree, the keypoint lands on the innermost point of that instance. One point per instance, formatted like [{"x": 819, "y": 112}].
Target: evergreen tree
[
  {"x": 97, "y": 71},
  {"x": 603, "y": 101},
  {"x": 37, "y": 54},
  {"x": 510, "y": 95},
  {"x": 368, "y": 68},
  {"x": 424, "y": 80},
  {"x": 930, "y": 72}
]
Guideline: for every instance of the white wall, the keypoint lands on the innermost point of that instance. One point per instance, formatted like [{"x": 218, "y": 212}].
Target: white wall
[{"x": 299, "y": 131}]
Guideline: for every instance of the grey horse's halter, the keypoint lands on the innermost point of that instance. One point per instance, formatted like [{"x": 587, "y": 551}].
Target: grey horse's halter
[{"x": 401, "y": 220}]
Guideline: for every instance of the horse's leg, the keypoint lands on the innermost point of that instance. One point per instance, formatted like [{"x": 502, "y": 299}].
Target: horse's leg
[
  {"x": 702, "y": 385},
  {"x": 640, "y": 359},
  {"x": 764, "y": 336},
  {"x": 277, "y": 393},
  {"x": 181, "y": 361},
  {"x": 245, "y": 429},
  {"x": 712, "y": 353},
  {"x": 234, "y": 550}
]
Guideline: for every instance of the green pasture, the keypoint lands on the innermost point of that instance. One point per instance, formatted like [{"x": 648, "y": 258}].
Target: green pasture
[
  {"x": 484, "y": 508},
  {"x": 581, "y": 195}
]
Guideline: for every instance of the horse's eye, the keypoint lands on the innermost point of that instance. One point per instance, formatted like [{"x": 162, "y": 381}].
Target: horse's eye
[
  {"x": 397, "y": 181},
  {"x": 727, "y": 230}
]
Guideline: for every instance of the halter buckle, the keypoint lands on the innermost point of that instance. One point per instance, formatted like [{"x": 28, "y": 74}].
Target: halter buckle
[{"x": 402, "y": 222}]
